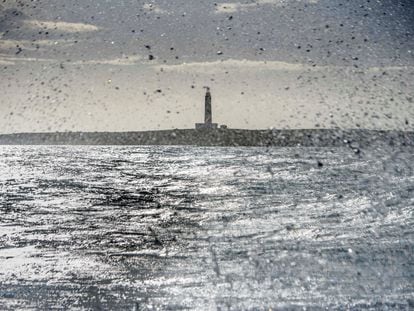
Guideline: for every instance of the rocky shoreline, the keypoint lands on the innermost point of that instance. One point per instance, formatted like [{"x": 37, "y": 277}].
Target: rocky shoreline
[{"x": 219, "y": 137}]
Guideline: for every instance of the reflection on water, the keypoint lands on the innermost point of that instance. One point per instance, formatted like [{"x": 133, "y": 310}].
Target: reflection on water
[{"x": 205, "y": 228}]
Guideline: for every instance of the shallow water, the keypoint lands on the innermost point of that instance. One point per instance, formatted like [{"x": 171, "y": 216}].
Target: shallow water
[{"x": 205, "y": 228}]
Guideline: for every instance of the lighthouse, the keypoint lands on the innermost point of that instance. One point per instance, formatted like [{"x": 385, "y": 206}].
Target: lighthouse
[{"x": 208, "y": 113}]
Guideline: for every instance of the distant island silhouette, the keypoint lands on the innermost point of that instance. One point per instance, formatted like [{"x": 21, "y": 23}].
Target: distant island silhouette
[
  {"x": 211, "y": 134},
  {"x": 355, "y": 138}
]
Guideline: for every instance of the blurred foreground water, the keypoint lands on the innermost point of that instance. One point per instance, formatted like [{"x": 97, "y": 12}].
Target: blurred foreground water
[{"x": 171, "y": 228}]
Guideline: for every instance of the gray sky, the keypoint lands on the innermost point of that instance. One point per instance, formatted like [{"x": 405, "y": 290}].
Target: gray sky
[{"x": 85, "y": 64}]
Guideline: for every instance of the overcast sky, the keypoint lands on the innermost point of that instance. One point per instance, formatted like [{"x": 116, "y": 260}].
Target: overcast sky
[{"x": 102, "y": 65}]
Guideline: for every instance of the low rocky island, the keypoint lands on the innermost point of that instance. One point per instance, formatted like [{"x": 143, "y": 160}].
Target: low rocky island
[
  {"x": 209, "y": 133},
  {"x": 219, "y": 137}
]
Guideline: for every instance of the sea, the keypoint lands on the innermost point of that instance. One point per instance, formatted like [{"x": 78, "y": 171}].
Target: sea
[{"x": 206, "y": 228}]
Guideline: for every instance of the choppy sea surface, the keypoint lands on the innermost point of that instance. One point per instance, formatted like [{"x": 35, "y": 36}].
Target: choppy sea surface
[{"x": 193, "y": 228}]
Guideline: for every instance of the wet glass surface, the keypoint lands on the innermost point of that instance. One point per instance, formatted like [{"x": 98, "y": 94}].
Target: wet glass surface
[{"x": 206, "y": 155}]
